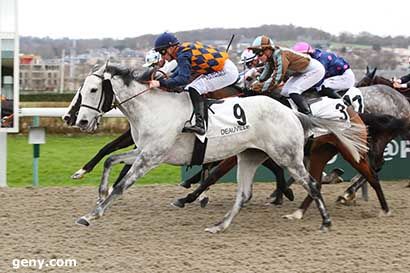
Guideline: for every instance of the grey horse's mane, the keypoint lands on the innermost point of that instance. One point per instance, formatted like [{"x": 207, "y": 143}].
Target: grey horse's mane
[{"x": 125, "y": 73}]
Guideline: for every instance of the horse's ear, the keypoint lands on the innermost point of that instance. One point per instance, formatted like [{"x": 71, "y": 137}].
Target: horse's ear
[
  {"x": 367, "y": 70},
  {"x": 373, "y": 73}
]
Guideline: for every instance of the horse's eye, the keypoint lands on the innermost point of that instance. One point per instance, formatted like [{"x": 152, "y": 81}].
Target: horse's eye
[{"x": 93, "y": 90}]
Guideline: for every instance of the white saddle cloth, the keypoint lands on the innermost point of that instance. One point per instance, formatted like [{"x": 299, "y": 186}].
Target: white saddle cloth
[
  {"x": 327, "y": 108},
  {"x": 226, "y": 119}
]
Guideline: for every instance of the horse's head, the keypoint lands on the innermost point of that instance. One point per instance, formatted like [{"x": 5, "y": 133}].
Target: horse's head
[
  {"x": 368, "y": 79},
  {"x": 96, "y": 97}
]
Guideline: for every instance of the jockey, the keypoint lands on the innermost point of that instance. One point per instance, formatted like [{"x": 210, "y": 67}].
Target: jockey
[
  {"x": 153, "y": 59},
  {"x": 338, "y": 74},
  {"x": 403, "y": 82},
  {"x": 210, "y": 68},
  {"x": 251, "y": 69},
  {"x": 278, "y": 61}
]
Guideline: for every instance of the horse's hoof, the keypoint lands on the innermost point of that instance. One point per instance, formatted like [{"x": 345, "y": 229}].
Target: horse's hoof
[
  {"x": 214, "y": 229},
  {"x": 289, "y": 194},
  {"x": 297, "y": 215},
  {"x": 83, "y": 222},
  {"x": 383, "y": 213},
  {"x": 345, "y": 201},
  {"x": 340, "y": 200},
  {"x": 276, "y": 201},
  {"x": 178, "y": 204},
  {"x": 273, "y": 194},
  {"x": 185, "y": 184},
  {"x": 203, "y": 202},
  {"x": 408, "y": 185},
  {"x": 325, "y": 228},
  {"x": 79, "y": 174}
]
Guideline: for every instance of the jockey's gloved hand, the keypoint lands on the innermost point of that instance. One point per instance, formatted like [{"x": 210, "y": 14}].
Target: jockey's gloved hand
[{"x": 256, "y": 86}]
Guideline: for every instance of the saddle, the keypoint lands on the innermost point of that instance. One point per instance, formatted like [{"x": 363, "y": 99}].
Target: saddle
[{"x": 211, "y": 98}]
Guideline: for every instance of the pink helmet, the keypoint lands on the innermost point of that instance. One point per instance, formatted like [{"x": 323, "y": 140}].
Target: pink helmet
[{"x": 303, "y": 47}]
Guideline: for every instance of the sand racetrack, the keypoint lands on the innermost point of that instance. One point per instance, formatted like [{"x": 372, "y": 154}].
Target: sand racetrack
[{"x": 143, "y": 233}]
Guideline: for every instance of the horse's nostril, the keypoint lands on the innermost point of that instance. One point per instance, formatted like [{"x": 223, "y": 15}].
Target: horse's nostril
[
  {"x": 83, "y": 122},
  {"x": 66, "y": 118}
]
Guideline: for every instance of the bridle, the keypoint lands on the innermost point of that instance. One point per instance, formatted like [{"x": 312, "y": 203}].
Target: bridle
[
  {"x": 108, "y": 99},
  {"x": 103, "y": 98}
]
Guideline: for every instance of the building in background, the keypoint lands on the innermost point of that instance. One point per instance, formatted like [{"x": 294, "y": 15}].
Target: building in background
[{"x": 9, "y": 62}]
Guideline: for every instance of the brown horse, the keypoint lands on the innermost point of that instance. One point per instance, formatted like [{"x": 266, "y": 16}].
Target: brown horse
[{"x": 370, "y": 78}]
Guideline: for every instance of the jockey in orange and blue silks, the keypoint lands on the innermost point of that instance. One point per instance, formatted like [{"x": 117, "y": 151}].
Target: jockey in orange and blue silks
[
  {"x": 209, "y": 68},
  {"x": 338, "y": 75}
]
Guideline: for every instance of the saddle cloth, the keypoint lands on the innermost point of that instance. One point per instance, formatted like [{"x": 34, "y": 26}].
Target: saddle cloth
[
  {"x": 225, "y": 119},
  {"x": 327, "y": 108}
]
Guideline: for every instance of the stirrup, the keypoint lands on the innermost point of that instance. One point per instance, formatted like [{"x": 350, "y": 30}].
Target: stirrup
[{"x": 194, "y": 129}]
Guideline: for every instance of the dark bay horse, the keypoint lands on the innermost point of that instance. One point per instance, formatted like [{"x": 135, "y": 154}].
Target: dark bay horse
[{"x": 370, "y": 78}]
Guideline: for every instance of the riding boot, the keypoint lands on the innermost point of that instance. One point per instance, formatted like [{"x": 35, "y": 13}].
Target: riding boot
[
  {"x": 300, "y": 102},
  {"x": 199, "y": 111},
  {"x": 331, "y": 93}
]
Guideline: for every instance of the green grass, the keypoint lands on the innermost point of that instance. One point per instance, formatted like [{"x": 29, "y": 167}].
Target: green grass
[{"x": 61, "y": 156}]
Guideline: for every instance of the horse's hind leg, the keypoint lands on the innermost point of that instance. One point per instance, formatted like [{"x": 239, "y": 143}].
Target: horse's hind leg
[
  {"x": 120, "y": 142},
  {"x": 127, "y": 158},
  {"x": 313, "y": 188},
  {"x": 364, "y": 168},
  {"x": 138, "y": 169},
  {"x": 248, "y": 162},
  {"x": 320, "y": 155}
]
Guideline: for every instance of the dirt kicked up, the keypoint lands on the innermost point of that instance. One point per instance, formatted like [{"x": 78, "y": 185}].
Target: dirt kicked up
[{"x": 143, "y": 233}]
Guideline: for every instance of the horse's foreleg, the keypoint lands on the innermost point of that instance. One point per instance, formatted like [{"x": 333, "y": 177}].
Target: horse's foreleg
[
  {"x": 120, "y": 142},
  {"x": 139, "y": 168},
  {"x": 127, "y": 158},
  {"x": 350, "y": 193},
  {"x": 198, "y": 176},
  {"x": 248, "y": 162},
  {"x": 223, "y": 167},
  {"x": 123, "y": 172}
]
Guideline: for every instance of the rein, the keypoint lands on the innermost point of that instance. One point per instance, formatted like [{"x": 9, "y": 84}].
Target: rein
[
  {"x": 136, "y": 95},
  {"x": 104, "y": 96}
]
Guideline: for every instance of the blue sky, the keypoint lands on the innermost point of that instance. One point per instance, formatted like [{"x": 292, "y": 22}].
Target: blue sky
[{"x": 130, "y": 18}]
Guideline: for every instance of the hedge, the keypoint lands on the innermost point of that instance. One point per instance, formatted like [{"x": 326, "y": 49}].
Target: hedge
[{"x": 47, "y": 97}]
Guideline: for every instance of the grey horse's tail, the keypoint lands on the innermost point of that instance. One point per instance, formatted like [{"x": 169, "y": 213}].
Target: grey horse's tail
[{"x": 350, "y": 136}]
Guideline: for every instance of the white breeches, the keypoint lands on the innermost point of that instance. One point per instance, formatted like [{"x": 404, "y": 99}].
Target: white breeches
[
  {"x": 216, "y": 80},
  {"x": 344, "y": 81},
  {"x": 301, "y": 82}
]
